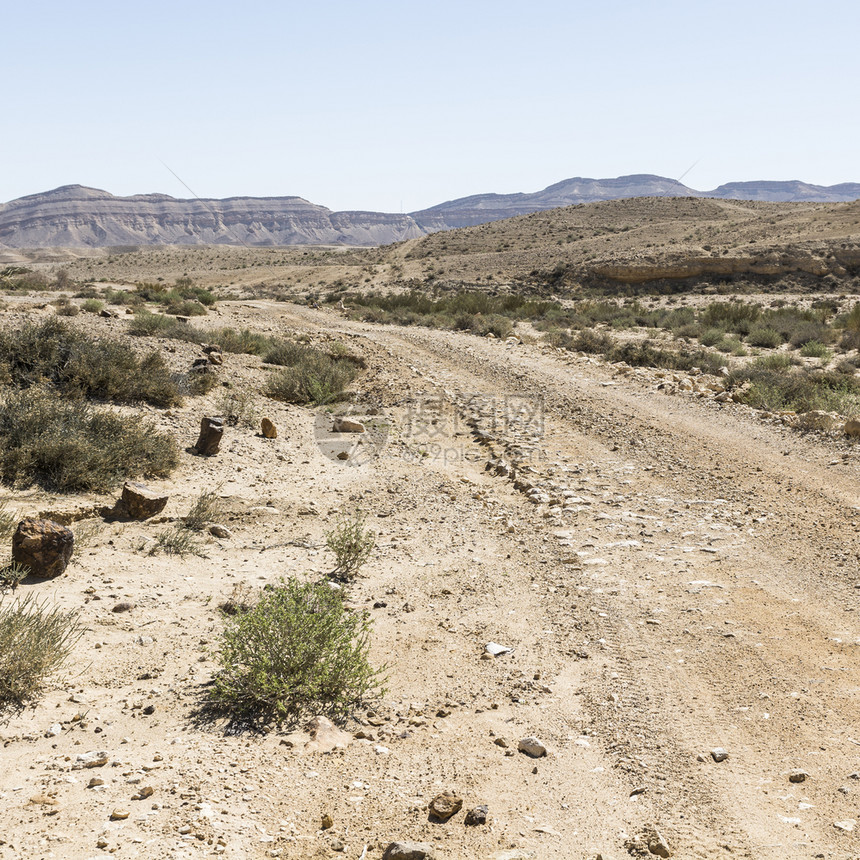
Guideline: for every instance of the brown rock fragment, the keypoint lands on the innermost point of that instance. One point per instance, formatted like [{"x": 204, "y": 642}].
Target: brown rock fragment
[
  {"x": 445, "y": 805},
  {"x": 140, "y": 503},
  {"x": 211, "y": 431},
  {"x": 268, "y": 429},
  {"x": 42, "y": 546}
]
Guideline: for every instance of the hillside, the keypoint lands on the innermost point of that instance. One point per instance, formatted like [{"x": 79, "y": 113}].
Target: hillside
[{"x": 75, "y": 216}]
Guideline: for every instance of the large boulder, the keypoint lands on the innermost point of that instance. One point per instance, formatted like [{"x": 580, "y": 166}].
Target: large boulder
[
  {"x": 140, "y": 503},
  {"x": 42, "y": 546},
  {"x": 211, "y": 431}
]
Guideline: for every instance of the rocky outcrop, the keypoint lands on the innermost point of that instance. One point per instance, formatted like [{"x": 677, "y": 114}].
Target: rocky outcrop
[{"x": 76, "y": 216}]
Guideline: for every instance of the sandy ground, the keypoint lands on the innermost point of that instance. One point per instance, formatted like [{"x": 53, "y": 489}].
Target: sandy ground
[{"x": 690, "y": 584}]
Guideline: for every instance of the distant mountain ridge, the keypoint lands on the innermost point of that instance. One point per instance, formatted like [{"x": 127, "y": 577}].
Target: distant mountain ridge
[{"x": 78, "y": 216}]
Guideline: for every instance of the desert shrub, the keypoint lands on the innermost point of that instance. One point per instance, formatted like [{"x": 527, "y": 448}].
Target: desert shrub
[
  {"x": 815, "y": 349},
  {"x": 35, "y": 640},
  {"x": 242, "y": 599},
  {"x": 850, "y": 321},
  {"x": 711, "y": 336},
  {"x": 775, "y": 361},
  {"x": 92, "y": 305},
  {"x": 9, "y": 520},
  {"x": 737, "y": 317},
  {"x": 809, "y": 332},
  {"x": 593, "y": 342},
  {"x": 176, "y": 541},
  {"x": 311, "y": 377},
  {"x": 68, "y": 445},
  {"x": 495, "y": 324},
  {"x": 200, "y": 383},
  {"x": 237, "y": 407},
  {"x": 795, "y": 389},
  {"x": 123, "y": 297},
  {"x": 645, "y": 354},
  {"x": 79, "y": 366},
  {"x": 67, "y": 309},
  {"x": 298, "y": 651},
  {"x": 764, "y": 337},
  {"x": 16, "y": 279},
  {"x": 12, "y": 575},
  {"x": 148, "y": 324},
  {"x": 240, "y": 341},
  {"x": 352, "y": 543},
  {"x": 207, "y": 508},
  {"x": 846, "y": 367}
]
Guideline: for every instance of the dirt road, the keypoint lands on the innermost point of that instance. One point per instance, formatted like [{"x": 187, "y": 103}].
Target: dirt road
[{"x": 673, "y": 575}]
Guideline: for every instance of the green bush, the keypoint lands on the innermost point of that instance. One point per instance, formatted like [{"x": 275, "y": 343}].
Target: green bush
[
  {"x": 35, "y": 640},
  {"x": 815, "y": 349},
  {"x": 352, "y": 543},
  {"x": 176, "y": 540},
  {"x": 92, "y": 306},
  {"x": 79, "y": 366},
  {"x": 297, "y": 652},
  {"x": 308, "y": 376},
  {"x": 764, "y": 337},
  {"x": 68, "y": 445}
]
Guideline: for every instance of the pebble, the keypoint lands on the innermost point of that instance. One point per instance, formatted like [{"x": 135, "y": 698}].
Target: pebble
[
  {"x": 532, "y": 746},
  {"x": 496, "y": 650},
  {"x": 119, "y": 814},
  {"x": 445, "y": 805},
  {"x": 846, "y": 826},
  {"x": 476, "y": 816},
  {"x": 97, "y": 758},
  {"x": 409, "y": 851},
  {"x": 718, "y": 754},
  {"x": 797, "y": 776}
]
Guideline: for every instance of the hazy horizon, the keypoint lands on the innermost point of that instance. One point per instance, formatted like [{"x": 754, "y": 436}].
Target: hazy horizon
[{"x": 386, "y": 107}]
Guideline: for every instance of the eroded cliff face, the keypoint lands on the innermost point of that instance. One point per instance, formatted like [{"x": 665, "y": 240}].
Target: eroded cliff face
[{"x": 75, "y": 216}]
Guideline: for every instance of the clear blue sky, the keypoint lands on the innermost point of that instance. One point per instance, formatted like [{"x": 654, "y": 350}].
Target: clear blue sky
[{"x": 378, "y": 104}]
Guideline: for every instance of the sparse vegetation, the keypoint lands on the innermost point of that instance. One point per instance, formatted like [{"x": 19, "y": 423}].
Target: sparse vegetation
[
  {"x": 237, "y": 408},
  {"x": 35, "y": 641},
  {"x": 68, "y": 445},
  {"x": 176, "y": 540},
  {"x": 77, "y": 365},
  {"x": 309, "y": 375},
  {"x": 297, "y": 651},
  {"x": 352, "y": 543},
  {"x": 207, "y": 508}
]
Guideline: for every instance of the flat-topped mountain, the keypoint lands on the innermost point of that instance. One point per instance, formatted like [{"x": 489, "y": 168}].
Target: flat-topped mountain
[{"x": 77, "y": 216}]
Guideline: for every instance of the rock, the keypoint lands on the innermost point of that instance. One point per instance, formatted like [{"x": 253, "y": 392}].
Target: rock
[
  {"x": 532, "y": 746},
  {"x": 445, "y": 805},
  {"x": 56, "y": 729},
  {"x": 409, "y": 851},
  {"x": 327, "y": 822},
  {"x": 846, "y": 826},
  {"x": 501, "y": 742},
  {"x": 497, "y": 650},
  {"x": 209, "y": 441},
  {"x": 852, "y": 427},
  {"x": 657, "y": 845},
  {"x": 816, "y": 419},
  {"x": 216, "y": 357},
  {"x": 476, "y": 816},
  {"x": 96, "y": 758},
  {"x": 346, "y": 425},
  {"x": 95, "y": 782},
  {"x": 220, "y": 531},
  {"x": 123, "y": 606},
  {"x": 119, "y": 815},
  {"x": 718, "y": 754},
  {"x": 141, "y": 503},
  {"x": 326, "y": 736},
  {"x": 268, "y": 429},
  {"x": 343, "y": 455},
  {"x": 42, "y": 546},
  {"x": 798, "y": 775},
  {"x": 144, "y": 792}
]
